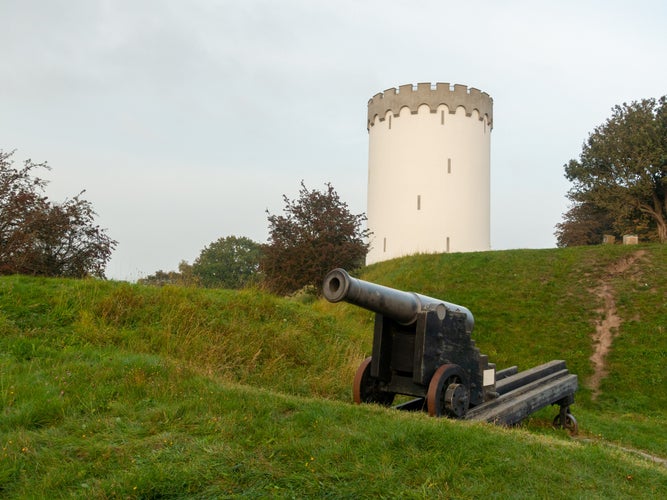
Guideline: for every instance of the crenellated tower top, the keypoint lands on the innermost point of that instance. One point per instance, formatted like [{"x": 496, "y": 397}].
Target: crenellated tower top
[{"x": 433, "y": 95}]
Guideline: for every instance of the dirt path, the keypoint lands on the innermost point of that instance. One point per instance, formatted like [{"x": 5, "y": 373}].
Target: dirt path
[
  {"x": 607, "y": 327},
  {"x": 648, "y": 456}
]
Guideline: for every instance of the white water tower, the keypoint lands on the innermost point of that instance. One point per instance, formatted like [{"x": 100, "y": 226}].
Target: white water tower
[{"x": 429, "y": 170}]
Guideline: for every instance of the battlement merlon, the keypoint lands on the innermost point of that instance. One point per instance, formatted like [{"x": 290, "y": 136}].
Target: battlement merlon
[{"x": 424, "y": 93}]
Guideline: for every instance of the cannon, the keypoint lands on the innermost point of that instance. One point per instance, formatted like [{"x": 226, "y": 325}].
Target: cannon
[{"x": 422, "y": 348}]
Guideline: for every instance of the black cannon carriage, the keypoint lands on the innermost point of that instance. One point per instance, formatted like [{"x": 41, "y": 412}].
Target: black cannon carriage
[{"x": 422, "y": 347}]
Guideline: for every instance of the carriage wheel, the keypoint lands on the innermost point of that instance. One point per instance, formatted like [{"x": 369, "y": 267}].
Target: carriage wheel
[
  {"x": 366, "y": 389},
  {"x": 565, "y": 420},
  {"x": 448, "y": 392}
]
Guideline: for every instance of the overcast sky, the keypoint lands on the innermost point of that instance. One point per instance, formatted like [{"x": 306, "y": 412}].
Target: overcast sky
[{"x": 185, "y": 120}]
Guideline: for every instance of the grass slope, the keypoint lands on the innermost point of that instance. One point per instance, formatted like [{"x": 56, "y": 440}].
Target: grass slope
[{"x": 115, "y": 390}]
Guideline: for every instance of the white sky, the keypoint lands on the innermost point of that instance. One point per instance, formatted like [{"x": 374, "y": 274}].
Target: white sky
[{"x": 185, "y": 121}]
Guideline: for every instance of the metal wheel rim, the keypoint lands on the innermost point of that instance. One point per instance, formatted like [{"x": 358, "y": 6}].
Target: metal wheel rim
[
  {"x": 442, "y": 380},
  {"x": 365, "y": 389},
  {"x": 569, "y": 424}
]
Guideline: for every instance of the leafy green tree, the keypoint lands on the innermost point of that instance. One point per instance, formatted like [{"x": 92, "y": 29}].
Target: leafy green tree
[
  {"x": 38, "y": 237},
  {"x": 230, "y": 262},
  {"x": 316, "y": 234},
  {"x": 583, "y": 224},
  {"x": 622, "y": 171},
  {"x": 183, "y": 277}
]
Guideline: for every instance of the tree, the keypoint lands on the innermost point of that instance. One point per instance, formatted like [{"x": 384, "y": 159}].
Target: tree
[
  {"x": 183, "y": 277},
  {"x": 230, "y": 262},
  {"x": 583, "y": 224},
  {"x": 39, "y": 237},
  {"x": 622, "y": 170},
  {"x": 316, "y": 234}
]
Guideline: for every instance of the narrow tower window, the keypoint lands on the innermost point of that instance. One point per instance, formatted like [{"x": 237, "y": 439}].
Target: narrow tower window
[
  {"x": 447, "y": 245},
  {"x": 419, "y": 202},
  {"x": 384, "y": 245},
  {"x": 449, "y": 165},
  {"x": 389, "y": 122},
  {"x": 442, "y": 117}
]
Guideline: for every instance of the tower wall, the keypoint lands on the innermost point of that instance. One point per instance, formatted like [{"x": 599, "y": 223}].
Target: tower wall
[{"x": 429, "y": 170}]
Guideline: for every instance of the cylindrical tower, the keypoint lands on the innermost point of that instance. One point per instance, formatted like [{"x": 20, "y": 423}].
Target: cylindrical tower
[{"x": 428, "y": 170}]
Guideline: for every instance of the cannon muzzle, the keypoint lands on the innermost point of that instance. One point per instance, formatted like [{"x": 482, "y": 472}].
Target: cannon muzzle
[{"x": 402, "y": 307}]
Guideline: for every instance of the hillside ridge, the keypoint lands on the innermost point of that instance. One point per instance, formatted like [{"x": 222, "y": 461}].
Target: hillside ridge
[{"x": 110, "y": 389}]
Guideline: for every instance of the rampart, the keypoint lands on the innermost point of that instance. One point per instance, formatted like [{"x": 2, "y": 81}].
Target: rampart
[{"x": 425, "y": 93}]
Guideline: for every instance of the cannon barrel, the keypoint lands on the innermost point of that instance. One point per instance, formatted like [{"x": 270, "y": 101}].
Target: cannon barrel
[{"x": 398, "y": 305}]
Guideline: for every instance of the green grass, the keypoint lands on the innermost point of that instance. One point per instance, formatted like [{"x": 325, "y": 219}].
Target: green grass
[
  {"x": 134, "y": 425},
  {"x": 112, "y": 390}
]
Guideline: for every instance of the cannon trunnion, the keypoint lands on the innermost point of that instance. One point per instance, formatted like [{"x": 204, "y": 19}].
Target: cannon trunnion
[{"x": 422, "y": 347}]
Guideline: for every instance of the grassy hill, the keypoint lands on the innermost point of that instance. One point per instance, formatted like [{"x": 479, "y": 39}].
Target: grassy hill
[{"x": 115, "y": 390}]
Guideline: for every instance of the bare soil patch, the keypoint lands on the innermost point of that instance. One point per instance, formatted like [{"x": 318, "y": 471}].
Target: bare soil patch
[{"x": 606, "y": 328}]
